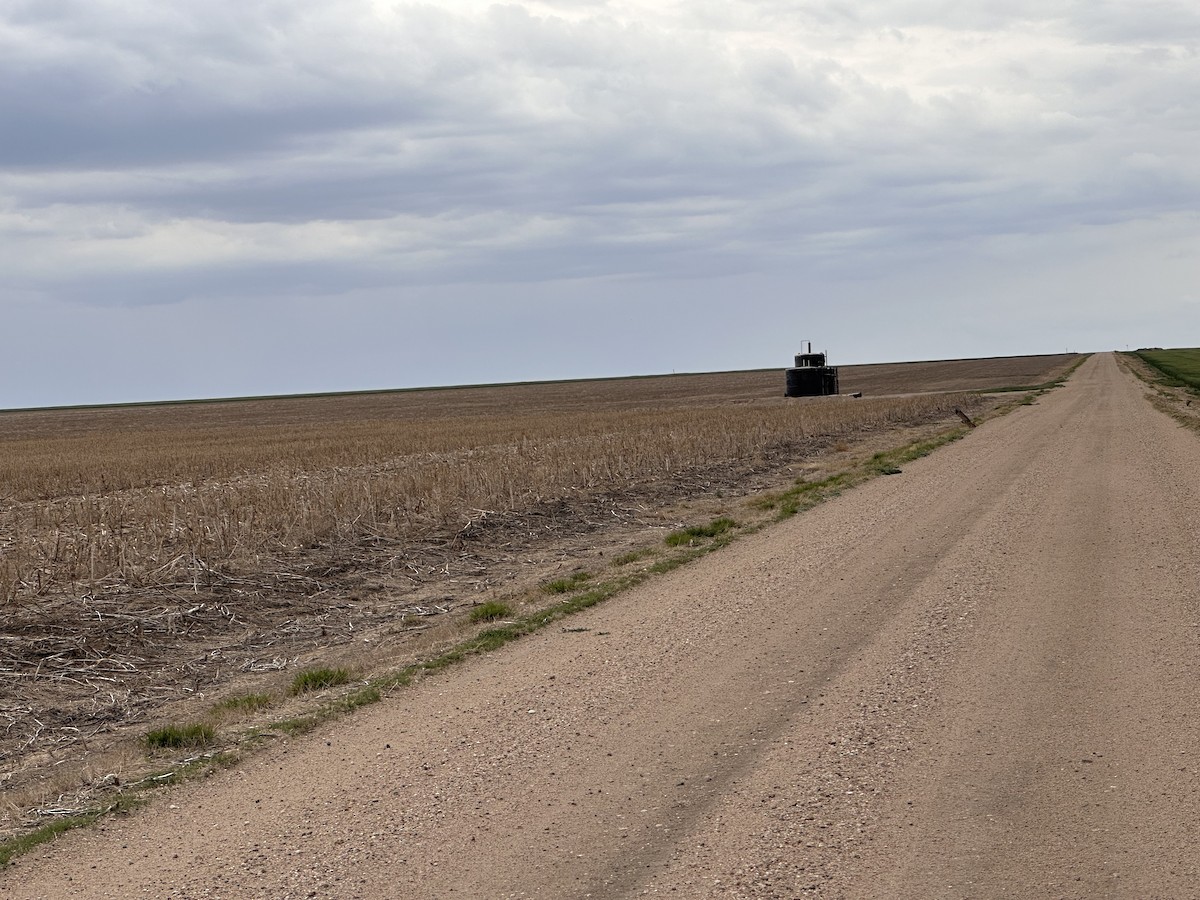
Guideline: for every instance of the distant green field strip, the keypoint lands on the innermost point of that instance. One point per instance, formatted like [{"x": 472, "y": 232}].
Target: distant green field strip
[{"x": 1182, "y": 365}]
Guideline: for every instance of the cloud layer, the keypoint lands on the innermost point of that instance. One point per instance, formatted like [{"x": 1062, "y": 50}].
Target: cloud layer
[{"x": 815, "y": 165}]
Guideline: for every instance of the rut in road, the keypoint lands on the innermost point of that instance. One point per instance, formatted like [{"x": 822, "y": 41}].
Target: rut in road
[{"x": 974, "y": 679}]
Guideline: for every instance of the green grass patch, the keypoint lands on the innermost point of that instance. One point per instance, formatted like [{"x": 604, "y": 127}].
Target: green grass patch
[
  {"x": 807, "y": 494},
  {"x": 663, "y": 566},
  {"x": 174, "y": 737},
  {"x": 494, "y": 638},
  {"x": 687, "y": 536},
  {"x": 695, "y": 551},
  {"x": 883, "y": 464},
  {"x": 364, "y": 697},
  {"x": 1180, "y": 367},
  {"x": 14, "y": 847},
  {"x": 318, "y": 679},
  {"x": 804, "y": 495},
  {"x": 572, "y": 582},
  {"x": 246, "y": 703},
  {"x": 632, "y": 556},
  {"x": 299, "y": 725},
  {"x": 126, "y": 802},
  {"x": 490, "y": 611}
]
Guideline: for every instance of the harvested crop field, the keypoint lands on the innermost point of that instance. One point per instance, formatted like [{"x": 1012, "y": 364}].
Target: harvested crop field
[{"x": 166, "y": 562}]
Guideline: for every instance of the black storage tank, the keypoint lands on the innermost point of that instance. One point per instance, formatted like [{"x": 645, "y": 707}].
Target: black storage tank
[{"x": 811, "y": 377}]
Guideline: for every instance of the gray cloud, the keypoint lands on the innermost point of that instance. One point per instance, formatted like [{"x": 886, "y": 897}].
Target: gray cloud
[{"x": 179, "y": 155}]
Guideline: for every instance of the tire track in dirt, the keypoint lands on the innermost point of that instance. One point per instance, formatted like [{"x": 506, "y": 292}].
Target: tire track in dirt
[{"x": 891, "y": 695}]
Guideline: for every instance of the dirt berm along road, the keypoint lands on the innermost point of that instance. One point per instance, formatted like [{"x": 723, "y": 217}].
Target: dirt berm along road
[{"x": 978, "y": 678}]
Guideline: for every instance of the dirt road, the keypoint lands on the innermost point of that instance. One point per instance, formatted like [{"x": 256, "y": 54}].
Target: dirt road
[{"x": 978, "y": 678}]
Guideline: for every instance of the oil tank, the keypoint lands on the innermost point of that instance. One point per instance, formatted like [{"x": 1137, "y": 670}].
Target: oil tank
[
  {"x": 811, "y": 381},
  {"x": 811, "y": 377}
]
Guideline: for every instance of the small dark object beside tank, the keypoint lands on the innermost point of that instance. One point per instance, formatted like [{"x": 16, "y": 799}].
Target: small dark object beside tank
[{"x": 811, "y": 377}]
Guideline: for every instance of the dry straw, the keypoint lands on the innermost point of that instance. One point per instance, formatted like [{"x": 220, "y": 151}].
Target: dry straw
[{"x": 148, "y": 506}]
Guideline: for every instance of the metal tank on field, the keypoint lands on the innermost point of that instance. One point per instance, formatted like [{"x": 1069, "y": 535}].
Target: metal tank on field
[{"x": 811, "y": 377}]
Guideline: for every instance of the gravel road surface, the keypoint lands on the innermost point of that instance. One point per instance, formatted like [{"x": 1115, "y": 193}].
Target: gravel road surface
[{"x": 977, "y": 678}]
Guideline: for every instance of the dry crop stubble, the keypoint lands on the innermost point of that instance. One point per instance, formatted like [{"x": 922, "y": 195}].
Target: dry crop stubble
[{"x": 162, "y": 506}]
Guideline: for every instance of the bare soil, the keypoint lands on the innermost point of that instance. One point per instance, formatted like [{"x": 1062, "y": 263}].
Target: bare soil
[{"x": 615, "y": 393}]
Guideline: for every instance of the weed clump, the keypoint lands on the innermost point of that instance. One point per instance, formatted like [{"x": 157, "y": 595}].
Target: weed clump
[
  {"x": 246, "y": 702},
  {"x": 490, "y": 611},
  {"x": 632, "y": 556},
  {"x": 175, "y": 737},
  {"x": 690, "y": 535},
  {"x": 568, "y": 584},
  {"x": 318, "y": 679}
]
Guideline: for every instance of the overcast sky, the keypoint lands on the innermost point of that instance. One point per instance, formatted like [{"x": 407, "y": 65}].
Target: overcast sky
[{"x": 229, "y": 198}]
